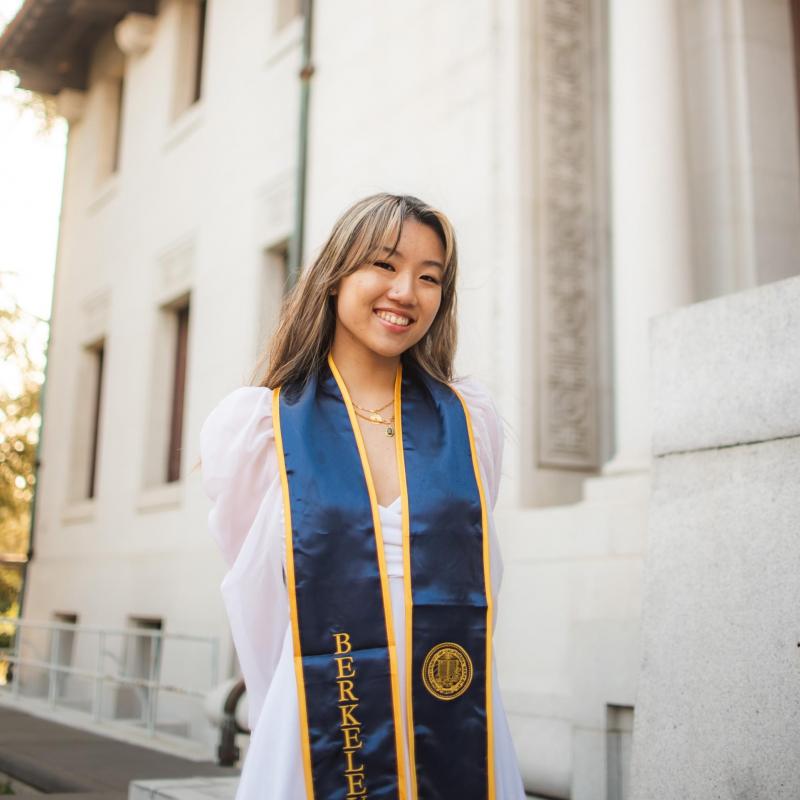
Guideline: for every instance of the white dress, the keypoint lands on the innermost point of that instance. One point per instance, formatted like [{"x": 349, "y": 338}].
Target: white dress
[{"x": 240, "y": 475}]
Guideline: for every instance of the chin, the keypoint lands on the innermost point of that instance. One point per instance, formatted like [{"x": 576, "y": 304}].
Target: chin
[{"x": 389, "y": 350}]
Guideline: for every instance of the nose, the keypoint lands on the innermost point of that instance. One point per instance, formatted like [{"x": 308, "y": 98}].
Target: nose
[{"x": 402, "y": 289}]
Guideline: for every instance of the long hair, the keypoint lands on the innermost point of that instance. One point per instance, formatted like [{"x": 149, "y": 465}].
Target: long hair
[{"x": 304, "y": 334}]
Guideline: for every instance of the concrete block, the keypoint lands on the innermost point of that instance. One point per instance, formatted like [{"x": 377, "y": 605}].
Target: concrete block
[
  {"x": 718, "y": 708},
  {"x": 727, "y": 371}
]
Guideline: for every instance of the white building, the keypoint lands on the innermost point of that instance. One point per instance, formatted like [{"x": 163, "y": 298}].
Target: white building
[{"x": 602, "y": 160}]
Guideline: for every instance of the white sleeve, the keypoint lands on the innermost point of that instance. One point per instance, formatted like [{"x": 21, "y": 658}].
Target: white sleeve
[
  {"x": 487, "y": 429},
  {"x": 240, "y": 476},
  {"x": 238, "y": 462}
]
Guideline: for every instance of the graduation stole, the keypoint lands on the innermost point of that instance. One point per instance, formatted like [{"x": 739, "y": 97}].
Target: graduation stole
[{"x": 340, "y": 605}]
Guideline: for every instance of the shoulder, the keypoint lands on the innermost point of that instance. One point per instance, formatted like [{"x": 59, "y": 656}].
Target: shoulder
[
  {"x": 487, "y": 430},
  {"x": 482, "y": 408},
  {"x": 243, "y": 407},
  {"x": 238, "y": 427}
]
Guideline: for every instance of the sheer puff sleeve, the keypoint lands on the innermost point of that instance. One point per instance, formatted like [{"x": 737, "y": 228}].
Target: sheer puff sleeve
[
  {"x": 487, "y": 431},
  {"x": 240, "y": 476},
  {"x": 238, "y": 463}
]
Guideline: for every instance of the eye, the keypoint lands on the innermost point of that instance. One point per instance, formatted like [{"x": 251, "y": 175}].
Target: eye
[
  {"x": 383, "y": 264},
  {"x": 433, "y": 279}
]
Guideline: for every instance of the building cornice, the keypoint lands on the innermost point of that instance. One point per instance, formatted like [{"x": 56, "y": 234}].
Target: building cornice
[{"x": 49, "y": 42}]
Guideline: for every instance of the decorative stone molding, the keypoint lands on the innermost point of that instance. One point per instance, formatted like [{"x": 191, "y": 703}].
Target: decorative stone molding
[
  {"x": 571, "y": 255},
  {"x": 71, "y": 104},
  {"x": 275, "y": 208},
  {"x": 175, "y": 272},
  {"x": 95, "y": 316},
  {"x": 134, "y": 34}
]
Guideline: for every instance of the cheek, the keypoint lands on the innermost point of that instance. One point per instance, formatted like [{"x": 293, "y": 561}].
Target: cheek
[
  {"x": 432, "y": 309},
  {"x": 353, "y": 299}
]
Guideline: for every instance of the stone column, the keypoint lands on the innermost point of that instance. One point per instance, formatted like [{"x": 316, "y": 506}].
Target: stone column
[{"x": 651, "y": 247}]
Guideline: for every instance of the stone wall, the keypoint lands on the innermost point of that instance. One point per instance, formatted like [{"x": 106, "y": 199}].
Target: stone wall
[{"x": 718, "y": 702}]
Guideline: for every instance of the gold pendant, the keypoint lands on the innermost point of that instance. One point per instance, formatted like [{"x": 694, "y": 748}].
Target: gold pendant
[
  {"x": 375, "y": 418},
  {"x": 389, "y": 430}
]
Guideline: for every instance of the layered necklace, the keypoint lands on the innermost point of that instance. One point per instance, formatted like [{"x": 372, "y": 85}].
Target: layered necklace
[{"x": 373, "y": 415}]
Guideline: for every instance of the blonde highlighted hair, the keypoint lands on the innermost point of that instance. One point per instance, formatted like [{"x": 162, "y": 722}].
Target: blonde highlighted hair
[{"x": 304, "y": 335}]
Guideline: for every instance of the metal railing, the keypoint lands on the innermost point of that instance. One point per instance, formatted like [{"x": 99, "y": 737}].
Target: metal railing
[{"x": 140, "y": 650}]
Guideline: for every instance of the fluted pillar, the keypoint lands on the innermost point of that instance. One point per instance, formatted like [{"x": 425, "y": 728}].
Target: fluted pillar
[{"x": 651, "y": 253}]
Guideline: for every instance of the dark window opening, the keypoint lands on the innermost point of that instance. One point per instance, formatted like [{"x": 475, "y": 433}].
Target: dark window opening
[
  {"x": 202, "y": 8},
  {"x": 98, "y": 352},
  {"x": 115, "y": 151},
  {"x": 178, "y": 393}
]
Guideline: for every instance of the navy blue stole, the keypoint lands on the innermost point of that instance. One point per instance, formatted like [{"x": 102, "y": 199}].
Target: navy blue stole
[{"x": 340, "y": 604}]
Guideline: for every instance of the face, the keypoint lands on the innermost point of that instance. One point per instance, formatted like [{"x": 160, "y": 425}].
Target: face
[{"x": 388, "y": 304}]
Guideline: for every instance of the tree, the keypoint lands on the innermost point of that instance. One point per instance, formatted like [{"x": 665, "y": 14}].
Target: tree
[{"x": 22, "y": 337}]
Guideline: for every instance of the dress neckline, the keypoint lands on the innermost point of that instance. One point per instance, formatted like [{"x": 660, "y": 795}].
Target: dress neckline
[{"x": 391, "y": 505}]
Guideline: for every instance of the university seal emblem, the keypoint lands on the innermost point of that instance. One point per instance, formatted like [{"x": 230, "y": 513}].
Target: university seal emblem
[{"x": 447, "y": 671}]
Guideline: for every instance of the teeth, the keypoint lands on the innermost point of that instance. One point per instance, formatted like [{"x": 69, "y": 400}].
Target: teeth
[{"x": 393, "y": 318}]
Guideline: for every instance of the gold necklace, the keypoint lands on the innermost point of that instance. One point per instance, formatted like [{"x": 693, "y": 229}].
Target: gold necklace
[
  {"x": 373, "y": 410},
  {"x": 377, "y": 419}
]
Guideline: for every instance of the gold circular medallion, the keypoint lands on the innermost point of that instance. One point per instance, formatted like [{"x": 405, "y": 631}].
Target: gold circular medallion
[{"x": 447, "y": 671}]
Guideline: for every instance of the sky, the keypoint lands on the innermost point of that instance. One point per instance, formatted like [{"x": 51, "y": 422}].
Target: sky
[{"x": 31, "y": 177}]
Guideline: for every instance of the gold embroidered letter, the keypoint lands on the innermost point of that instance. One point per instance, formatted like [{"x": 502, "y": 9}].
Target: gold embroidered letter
[
  {"x": 355, "y": 784},
  {"x": 342, "y": 643},
  {"x": 346, "y": 691},
  {"x": 347, "y": 716},
  {"x": 343, "y": 663}
]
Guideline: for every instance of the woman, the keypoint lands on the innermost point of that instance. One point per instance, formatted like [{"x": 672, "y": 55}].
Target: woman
[{"x": 352, "y": 495}]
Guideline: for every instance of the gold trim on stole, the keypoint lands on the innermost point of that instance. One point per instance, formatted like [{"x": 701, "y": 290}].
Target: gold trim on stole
[
  {"x": 387, "y": 599},
  {"x": 409, "y": 607},
  {"x": 489, "y": 603},
  {"x": 291, "y": 586}
]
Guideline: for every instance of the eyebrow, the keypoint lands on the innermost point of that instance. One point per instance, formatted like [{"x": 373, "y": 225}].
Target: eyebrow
[{"x": 425, "y": 263}]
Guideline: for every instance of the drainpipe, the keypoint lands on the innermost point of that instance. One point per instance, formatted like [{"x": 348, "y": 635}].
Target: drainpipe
[{"x": 306, "y": 71}]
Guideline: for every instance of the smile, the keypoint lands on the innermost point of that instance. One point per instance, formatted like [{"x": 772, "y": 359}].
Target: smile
[{"x": 394, "y": 320}]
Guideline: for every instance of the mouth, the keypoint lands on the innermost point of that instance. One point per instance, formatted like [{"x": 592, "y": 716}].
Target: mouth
[{"x": 394, "y": 322}]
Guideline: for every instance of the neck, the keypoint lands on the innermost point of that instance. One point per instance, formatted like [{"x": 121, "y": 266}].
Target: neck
[{"x": 369, "y": 377}]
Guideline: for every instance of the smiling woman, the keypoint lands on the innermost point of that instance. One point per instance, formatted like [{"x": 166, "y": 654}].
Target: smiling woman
[
  {"x": 411, "y": 247},
  {"x": 386, "y": 306},
  {"x": 353, "y": 494}
]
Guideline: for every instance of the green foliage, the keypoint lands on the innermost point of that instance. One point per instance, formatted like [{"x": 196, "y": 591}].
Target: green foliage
[
  {"x": 10, "y": 585},
  {"x": 21, "y": 344}
]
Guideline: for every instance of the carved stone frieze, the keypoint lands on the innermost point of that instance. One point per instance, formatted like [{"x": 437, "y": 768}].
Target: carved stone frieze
[{"x": 567, "y": 232}]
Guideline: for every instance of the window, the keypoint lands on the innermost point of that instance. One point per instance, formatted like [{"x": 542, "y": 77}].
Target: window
[
  {"x": 62, "y": 645},
  {"x": 97, "y": 353},
  {"x": 619, "y": 734},
  {"x": 274, "y": 285},
  {"x": 141, "y": 660},
  {"x": 110, "y": 119},
  {"x": 178, "y": 393},
  {"x": 117, "y": 94},
  {"x": 191, "y": 50},
  {"x": 87, "y": 423},
  {"x": 162, "y": 462},
  {"x": 200, "y": 39}
]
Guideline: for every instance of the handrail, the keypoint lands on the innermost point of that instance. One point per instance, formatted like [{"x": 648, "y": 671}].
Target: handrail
[{"x": 147, "y": 688}]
